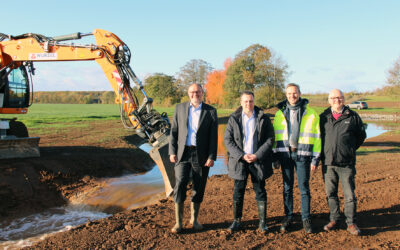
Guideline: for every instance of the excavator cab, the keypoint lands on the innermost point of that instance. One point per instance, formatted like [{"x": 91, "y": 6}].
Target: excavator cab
[
  {"x": 15, "y": 96},
  {"x": 14, "y": 89}
]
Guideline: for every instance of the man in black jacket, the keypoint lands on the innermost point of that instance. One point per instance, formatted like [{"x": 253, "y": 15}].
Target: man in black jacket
[
  {"x": 249, "y": 137},
  {"x": 342, "y": 133}
]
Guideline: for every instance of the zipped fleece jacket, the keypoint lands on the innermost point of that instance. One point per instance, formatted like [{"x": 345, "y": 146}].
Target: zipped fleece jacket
[
  {"x": 341, "y": 138},
  {"x": 309, "y": 144},
  {"x": 263, "y": 140}
]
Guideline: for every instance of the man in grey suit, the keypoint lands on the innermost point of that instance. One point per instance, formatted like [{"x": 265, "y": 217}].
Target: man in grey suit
[
  {"x": 193, "y": 149},
  {"x": 249, "y": 137}
]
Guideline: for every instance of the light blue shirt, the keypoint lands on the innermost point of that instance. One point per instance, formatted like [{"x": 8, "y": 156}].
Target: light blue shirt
[
  {"x": 193, "y": 124},
  {"x": 249, "y": 125}
]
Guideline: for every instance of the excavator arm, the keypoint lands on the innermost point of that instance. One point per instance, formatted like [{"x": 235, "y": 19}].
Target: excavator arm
[
  {"x": 17, "y": 54},
  {"x": 110, "y": 53}
]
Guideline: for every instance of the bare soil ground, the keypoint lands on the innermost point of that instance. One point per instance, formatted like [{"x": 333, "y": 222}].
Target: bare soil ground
[{"x": 69, "y": 163}]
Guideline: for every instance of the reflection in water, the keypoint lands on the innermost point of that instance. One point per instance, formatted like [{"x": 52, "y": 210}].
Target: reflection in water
[
  {"x": 126, "y": 192},
  {"x": 220, "y": 165},
  {"x": 374, "y": 129},
  {"x": 115, "y": 194}
]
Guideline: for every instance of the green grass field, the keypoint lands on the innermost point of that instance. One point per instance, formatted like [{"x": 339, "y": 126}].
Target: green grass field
[
  {"x": 58, "y": 115},
  {"x": 71, "y": 115}
]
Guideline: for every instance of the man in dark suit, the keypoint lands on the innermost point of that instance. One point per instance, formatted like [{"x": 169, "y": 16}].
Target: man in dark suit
[{"x": 193, "y": 149}]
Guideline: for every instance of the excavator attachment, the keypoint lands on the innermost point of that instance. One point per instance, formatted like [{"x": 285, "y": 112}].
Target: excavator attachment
[
  {"x": 15, "y": 141},
  {"x": 11, "y": 148},
  {"x": 159, "y": 154}
]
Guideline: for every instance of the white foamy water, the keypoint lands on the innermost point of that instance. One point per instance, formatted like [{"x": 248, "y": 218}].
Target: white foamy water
[{"x": 26, "y": 231}]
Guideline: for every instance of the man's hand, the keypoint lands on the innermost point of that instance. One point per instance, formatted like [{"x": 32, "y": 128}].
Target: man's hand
[
  {"x": 250, "y": 158},
  {"x": 209, "y": 163},
  {"x": 313, "y": 168},
  {"x": 173, "y": 158}
]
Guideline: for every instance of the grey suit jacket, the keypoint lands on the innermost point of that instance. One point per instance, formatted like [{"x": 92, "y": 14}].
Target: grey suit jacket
[{"x": 207, "y": 133}]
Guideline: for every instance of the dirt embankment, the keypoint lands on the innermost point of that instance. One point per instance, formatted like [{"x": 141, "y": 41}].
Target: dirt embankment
[
  {"x": 71, "y": 161},
  {"x": 378, "y": 192}
]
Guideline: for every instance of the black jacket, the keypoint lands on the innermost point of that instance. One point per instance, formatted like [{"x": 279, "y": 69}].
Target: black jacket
[
  {"x": 341, "y": 138},
  {"x": 263, "y": 137}
]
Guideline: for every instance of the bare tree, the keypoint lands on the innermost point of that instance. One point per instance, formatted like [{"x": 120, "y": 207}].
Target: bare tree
[
  {"x": 194, "y": 71},
  {"x": 393, "y": 74}
]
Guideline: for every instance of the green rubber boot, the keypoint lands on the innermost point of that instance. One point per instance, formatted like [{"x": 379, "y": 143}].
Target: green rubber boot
[
  {"x": 262, "y": 215},
  {"x": 178, "y": 217},
  {"x": 237, "y": 216},
  {"x": 194, "y": 213}
]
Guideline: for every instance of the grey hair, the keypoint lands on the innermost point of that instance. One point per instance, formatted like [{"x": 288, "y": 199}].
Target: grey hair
[
  {"x": 341, "y": 93},
  {"x": 198, "y": 85}
]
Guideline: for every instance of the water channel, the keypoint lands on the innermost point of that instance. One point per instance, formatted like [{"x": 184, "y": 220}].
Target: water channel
[{"x": 126, "y": 192}]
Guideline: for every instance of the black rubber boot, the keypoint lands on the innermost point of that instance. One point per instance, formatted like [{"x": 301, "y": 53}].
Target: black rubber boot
[
  {"x": 237, "y": 215},
  {"x": 262, "y": 215},
  {"x": 307, "y": 226},
  {"x": 178, "y": 217},
  {"x": 194, "y": 213}
]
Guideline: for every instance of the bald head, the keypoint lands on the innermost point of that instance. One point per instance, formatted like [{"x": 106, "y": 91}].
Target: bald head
[
  {"x": 195, "y": 93},
  {"x": 336, "y": 100},
  {"x": 336, "y": 92}
]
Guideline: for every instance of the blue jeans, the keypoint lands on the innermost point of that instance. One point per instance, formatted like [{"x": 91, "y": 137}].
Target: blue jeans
[
  {"x": 332, "y": 175},
  {"x": 303, "y": 178}
]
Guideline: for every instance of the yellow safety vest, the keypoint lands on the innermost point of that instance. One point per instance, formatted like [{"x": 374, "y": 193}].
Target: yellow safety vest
[{"x": 309, "y": 144}]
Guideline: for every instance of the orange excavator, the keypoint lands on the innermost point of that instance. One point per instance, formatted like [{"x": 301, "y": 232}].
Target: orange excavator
[{"x": 17, "y": 55}]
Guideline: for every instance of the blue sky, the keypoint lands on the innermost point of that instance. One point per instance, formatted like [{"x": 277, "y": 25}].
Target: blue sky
[{"x": 327, "y": 44}]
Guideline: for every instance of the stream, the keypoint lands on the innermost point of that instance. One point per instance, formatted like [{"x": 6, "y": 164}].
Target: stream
[{"x": 126, "y": 192}]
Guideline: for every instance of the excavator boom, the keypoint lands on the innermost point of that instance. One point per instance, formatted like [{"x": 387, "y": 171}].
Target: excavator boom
[{"x": 17, "y": 54}]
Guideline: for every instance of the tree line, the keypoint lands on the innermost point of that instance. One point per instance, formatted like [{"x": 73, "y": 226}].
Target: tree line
[
  {"x": 256, "y": 68},
  {"x": 78, "y": 97}
]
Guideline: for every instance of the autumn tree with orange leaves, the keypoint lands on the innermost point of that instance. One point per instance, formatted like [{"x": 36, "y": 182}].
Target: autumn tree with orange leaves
[{"x": 214, "y": 86}]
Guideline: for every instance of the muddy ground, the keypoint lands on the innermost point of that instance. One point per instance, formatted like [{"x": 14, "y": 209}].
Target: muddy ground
[
  {"x": 72, "y": 160},
  {"x": 71, "y": 163}
]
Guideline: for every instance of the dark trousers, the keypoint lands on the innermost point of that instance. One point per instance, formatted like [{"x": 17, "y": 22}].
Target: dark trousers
[
  {"x": 258, "y": 185},
  {"x": 303, "y": 178},
  {"x": 332, "y": 175},
  {"x": 186, "y": 168}
]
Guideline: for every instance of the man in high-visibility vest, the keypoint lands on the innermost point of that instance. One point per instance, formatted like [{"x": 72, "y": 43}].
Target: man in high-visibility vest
[{"x": 297, "y": 146}]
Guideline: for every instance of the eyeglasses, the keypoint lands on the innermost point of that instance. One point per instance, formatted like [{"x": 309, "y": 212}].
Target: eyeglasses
[
  {"x": 195, "y": 92},
  {"x": 336, "y": 98}
]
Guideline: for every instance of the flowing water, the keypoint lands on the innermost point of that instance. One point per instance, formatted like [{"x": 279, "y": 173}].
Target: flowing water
[{"x": 115, "y": 194}]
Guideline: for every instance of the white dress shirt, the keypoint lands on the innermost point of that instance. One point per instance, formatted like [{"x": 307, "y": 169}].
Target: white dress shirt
[
  {"x": 249, "y": 124},
  {"x": 193, "y": 124}
]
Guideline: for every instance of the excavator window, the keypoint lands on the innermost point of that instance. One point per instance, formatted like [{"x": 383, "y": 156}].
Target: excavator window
[{"x": 16, "y": 91}]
